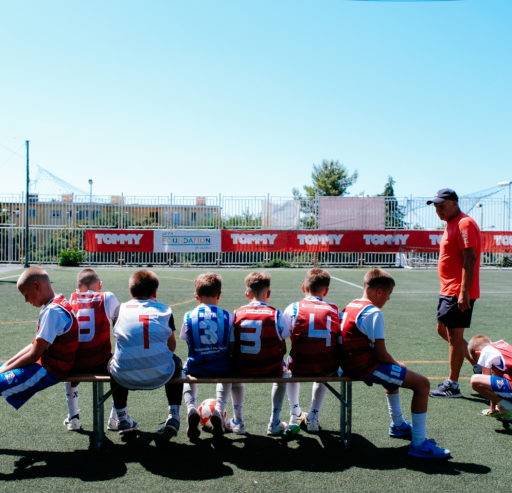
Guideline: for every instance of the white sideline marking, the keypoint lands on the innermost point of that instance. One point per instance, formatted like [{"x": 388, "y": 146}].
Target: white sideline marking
[
  {"x": 347, "y": 282},
  {"x": 9, "y": 277}
]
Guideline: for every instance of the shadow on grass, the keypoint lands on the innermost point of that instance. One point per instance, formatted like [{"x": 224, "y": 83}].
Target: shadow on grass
[{"x": 210, "y": 459}]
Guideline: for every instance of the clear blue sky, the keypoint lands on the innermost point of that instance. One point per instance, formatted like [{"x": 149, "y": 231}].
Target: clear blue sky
[{"x": 241, "y": 97}]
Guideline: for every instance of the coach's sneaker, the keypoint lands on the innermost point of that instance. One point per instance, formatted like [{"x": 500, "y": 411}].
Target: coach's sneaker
[
  {"x": 113, "y": 424},
  {"x": 298, "y": 420},
  {"x": 217, "y": 424},
  {"x": 477, "y": 369},
  {"x": 276, "y": 429},
  {"x": 127, "y": 425},
  {"x": 193, "y": 430},
  {"x": 73, "y": 423},
  {"x": 447, "y": 389},
  {"x": 169, "y": 430},
  {"x": 312, "y": 425},
  {"x": 428, "y": 450},
  {"x": 233, "y": 427},
  {"x": 400, "y": 431}
]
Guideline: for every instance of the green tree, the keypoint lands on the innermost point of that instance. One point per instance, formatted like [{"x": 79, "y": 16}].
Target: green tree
[
  {"x": 395, "y": 214},
  {"x": 330, "y": 179}
]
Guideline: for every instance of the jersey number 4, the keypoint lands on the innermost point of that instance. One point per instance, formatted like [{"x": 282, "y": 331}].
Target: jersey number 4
[{"x": 323, "y": 332}]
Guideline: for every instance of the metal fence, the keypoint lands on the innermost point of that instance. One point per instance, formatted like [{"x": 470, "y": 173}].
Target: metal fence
[{"x": 57, "y": 224}]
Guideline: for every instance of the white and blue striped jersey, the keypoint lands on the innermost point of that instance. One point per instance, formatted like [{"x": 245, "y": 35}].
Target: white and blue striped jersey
[
  {"x": 207, "y": 330},
  {"x": 142, "y": 358}
]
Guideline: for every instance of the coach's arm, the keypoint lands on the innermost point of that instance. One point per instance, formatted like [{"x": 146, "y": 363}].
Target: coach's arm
[{"x": 468, "y": 272}]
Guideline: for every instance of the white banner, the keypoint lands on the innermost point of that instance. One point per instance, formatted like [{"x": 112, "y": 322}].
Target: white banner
[
  {"x": 187, "y": 240},
  {"x": 352, "y": 213},
  {"x": 281, "y": 215}
]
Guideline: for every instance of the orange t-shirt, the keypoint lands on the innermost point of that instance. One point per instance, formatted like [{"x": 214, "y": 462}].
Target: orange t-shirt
[{"x": 460, "y": 233}]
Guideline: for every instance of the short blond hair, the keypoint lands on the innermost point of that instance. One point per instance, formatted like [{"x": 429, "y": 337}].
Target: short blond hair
[
  {"x": 316, "y": 279},
  {"x": 143, "y": 284},
  {"x": 256, "y": 282},
  {"x": 87, "y": 277},
  {"x": 33, "y": 274},
  {"x": 477, "y": 343},
  {"x": 208, "y": 285}
]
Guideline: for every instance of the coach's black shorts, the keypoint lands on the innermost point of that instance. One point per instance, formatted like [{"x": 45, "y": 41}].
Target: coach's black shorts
[{"x": 449, "y": 314}]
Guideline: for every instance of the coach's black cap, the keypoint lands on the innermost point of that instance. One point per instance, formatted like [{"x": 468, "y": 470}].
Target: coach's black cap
[{"x": 442, "y": 195}]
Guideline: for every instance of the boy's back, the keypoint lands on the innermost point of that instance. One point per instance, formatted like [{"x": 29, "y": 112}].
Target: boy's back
[
  {"x": 314, "y": 326},
  {"x": 257, "y": 334},
  {"x": 207, "y": 330},
  {"x": 142, "y": 359}
]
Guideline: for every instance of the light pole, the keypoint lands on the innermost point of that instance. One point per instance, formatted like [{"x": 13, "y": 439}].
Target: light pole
[
  {"x": 505, "y": 184},
  {"x": 90, "y": 200},
  {"x": 481, "y": 207}
]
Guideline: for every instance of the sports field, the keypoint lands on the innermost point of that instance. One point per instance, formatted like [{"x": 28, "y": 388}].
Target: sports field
[{"x": 38, "y": 454}]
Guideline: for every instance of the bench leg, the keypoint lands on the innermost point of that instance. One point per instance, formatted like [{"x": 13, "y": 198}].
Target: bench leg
[
  {"x": 97, "y": 413},
  {"x": 346, "y": 413}
]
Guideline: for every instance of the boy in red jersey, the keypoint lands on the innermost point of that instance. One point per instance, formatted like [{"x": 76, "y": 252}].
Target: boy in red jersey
[
  {"x": 95, "y": 311},
  {"x": 364, "y": 357},
  {"x": 258, "y": 346},
  {"x": 495, "y": 383},
  {"x": 314, "y": 327},
  {"x": 50, "y": 356}
]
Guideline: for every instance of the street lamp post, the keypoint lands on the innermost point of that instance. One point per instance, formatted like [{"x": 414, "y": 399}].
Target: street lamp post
[
  {"x": 505, "y": 184},
  {"x": 90, "y": 200},
  {"x": 481, "y": 207}
]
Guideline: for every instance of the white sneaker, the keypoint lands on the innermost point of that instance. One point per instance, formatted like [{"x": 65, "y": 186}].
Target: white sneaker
[
  {"x": 312, "y": 425},
  {"x": 72, "y": 424},
  {"x": 113, "y": 424},
  {"x": 234, "y": 427},
  {"x": 298, "y": 420},
  {"x": 276, "y": 429}
]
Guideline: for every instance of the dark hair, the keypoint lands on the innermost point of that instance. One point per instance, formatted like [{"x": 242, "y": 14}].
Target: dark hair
[
  {"x": 208, "y": 285},
  {"x": 87, "y": 277},
  {"x": 256, "y": 282},
  {"x": 378, "y": 279},
  {"x": 316, "y": 279},
  {"x": 143, "y": 284}
]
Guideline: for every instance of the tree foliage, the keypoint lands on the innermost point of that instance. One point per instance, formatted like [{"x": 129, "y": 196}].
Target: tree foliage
[{"x": 395, "y": 216}]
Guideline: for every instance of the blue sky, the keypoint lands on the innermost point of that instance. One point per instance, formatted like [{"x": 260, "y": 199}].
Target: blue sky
[{"x": 242, "y": 97}]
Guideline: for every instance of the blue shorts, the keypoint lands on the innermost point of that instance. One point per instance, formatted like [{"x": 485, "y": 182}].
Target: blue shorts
[
  {"x": 391, "y": 377},
  {"x": 19, "y": 385},
  {"x": 501, "y": 387}
]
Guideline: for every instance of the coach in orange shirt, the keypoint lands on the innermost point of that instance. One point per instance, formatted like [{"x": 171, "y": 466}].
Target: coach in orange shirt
[{"x": 459, "y": 273}]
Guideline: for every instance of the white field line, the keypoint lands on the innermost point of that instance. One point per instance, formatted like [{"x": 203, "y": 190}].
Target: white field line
[
  {"x": 347, "y": 282},
  {"x": 9, "y": 277}
]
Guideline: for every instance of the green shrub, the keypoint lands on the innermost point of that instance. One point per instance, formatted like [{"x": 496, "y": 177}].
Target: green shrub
[
  {"x": 71, "y": 258},
  {"x": 277, "y": 262}
]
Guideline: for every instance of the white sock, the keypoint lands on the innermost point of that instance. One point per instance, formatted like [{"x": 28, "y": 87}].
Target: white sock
[
  {"x": 419, "y": 427},
  {"x": 293, "y": 390},
  {"x": 122, "y": 413},
  {"x": 394, "y": 408},
  {"x": 237, "y": 396},
  {"x": 174, "y": 412},
  {"x": 278, "y": 392},
  {"x": 317, "y": 397},
  {"x": 505, "y": 404},
  {"x": 222, "y": 390},
  {"x": 72, "y": 399},
  {"x": 190, "y": 396}
]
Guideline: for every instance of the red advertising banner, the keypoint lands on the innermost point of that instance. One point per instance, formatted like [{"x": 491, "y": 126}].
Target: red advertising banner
[
  {"x": 119, "y": 240},
  {"x": 349, "y": 241}
]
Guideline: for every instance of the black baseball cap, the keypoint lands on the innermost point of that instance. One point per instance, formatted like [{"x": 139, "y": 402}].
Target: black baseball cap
[{"x": 442, "y": 195}]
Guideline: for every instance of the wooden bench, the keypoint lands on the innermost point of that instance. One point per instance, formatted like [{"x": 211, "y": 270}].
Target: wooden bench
[{"x": 99, "y": 397}]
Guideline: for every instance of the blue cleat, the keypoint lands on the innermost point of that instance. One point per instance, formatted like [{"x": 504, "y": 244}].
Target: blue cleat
[
  {"x": 428, "y": 450},
  {"x": 400, "y": 431}
]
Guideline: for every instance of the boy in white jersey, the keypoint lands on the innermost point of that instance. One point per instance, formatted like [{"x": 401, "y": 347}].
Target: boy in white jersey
[
  {"x": 50, "y": 356},
  {"x": 495, "y": 382},
  {"x": 143, "y": 358},
  {"x": 207, "y": 330},
  {"x": 364, "y": 356},
  {"x": 258, "y": 346},
  {"x": 95, "y": 311}
]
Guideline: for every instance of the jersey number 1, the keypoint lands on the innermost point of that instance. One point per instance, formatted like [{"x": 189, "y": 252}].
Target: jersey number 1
[{"x": 145, "y": 329}]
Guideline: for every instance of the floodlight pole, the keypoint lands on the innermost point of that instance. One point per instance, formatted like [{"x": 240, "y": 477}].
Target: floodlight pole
[
  {"x": 27, "y": 200},
  {"x": 505, "y": 184}
]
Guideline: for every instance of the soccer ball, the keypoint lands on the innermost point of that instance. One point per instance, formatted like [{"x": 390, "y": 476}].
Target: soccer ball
[{"x": 206, "y": 410}]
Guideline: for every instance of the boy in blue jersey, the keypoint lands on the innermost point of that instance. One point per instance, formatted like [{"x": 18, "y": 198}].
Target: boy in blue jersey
[{"x": 207, "y": 330}]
